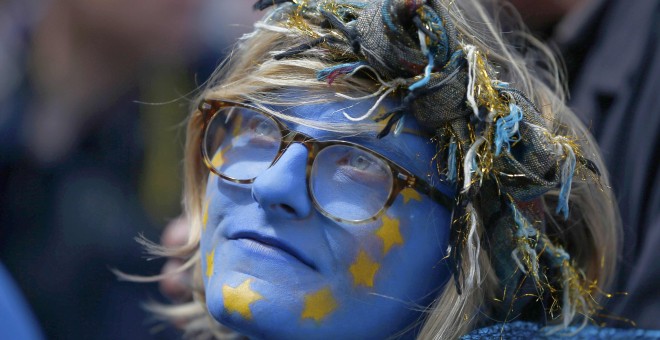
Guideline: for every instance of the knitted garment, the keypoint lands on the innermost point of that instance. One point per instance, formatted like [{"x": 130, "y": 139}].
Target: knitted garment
[{"x": 532, "y": 331}]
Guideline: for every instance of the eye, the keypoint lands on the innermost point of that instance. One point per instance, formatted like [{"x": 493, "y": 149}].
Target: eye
[
  {"x": 264, "y": 129},
  {"x": 361, "y": 166},
  {"x": 261, "y": 131},
  {"x": 261, "y": 127},
  {"x": 359, "y": 162}
]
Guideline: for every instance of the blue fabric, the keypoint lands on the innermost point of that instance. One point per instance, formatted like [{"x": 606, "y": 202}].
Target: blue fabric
[
  {"x": 612, "y": 50},
  {"x": 16, "y": 320},
  {"x": 529, "y": 331}
]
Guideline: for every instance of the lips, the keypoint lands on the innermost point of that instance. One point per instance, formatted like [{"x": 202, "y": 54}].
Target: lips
[{"x": 271, "y": 242}]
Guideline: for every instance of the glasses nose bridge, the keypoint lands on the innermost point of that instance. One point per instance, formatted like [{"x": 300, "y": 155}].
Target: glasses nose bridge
[{"x": 291, "y": 136}]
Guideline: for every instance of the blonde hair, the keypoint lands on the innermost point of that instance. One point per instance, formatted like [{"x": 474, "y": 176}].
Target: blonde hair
[{"x": 252, "y": 74}]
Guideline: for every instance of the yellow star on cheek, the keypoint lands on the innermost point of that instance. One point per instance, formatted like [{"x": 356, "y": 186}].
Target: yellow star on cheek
[
  {"x": 364, "y": 269},
  {"x": 390, "y": 233},
  {"x": 238, "y": 300},
  {"x": 410, "y": 194},
  {"x": 209, "y": 263},
  {"x": 318, "y": 305},
  {"x": 205, "y": 215}
]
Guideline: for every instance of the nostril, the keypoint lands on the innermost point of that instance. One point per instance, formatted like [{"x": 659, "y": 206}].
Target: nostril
[
  {"x": 254, "y": 197},
  {"x": 284, "y": 208}
]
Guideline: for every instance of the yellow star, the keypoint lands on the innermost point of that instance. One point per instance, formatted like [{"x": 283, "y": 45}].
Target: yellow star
[
  {"x": 410, "y": 193},
  {"x": 239, "y": 299},
  {"x": 238, "y": 122},
  {"x": 390, "y": 233},
  {"x": 381, "y": 112},
  {"x": 318, "y": 305},
  {"x": 205, "y": 215},
  {"x": 219, "y": 158},
  {"x": 364, "y": 270},
  {"x": 209, "y": 263}
]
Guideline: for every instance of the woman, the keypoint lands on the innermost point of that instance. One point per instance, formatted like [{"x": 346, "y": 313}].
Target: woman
[{"x": 390, "y": 169}]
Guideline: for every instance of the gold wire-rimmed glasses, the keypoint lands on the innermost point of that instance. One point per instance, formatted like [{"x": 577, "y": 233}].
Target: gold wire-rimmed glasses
[{"x": 346, "y": 182}]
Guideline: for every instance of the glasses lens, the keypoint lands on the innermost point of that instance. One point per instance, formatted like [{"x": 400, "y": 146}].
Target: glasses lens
[
  {"x": 350, "y": 183},
  {"x": 241, "y": 143}
]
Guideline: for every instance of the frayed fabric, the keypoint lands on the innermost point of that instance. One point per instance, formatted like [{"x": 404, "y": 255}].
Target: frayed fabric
[{"x": 496, "y": 149}]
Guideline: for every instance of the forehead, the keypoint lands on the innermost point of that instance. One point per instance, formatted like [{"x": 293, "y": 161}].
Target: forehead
[{"x": 409, "y": 150}]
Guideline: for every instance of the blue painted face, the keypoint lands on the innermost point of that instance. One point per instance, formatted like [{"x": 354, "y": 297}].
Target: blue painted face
[{"x": 275, "y": 268}]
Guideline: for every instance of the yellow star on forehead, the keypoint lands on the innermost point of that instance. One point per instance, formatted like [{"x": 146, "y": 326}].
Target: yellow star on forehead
[
  {"x": 364, "y": 269},
  {"x": 239, "y": 299},
  {"x": 318, "y": 305},
  {"x": 390, "y": 233},
  {"x": 205, "y": 215},
  {"x": 219, "y": 158},
  {"x": 410, "y": 194},
  {"x": 209, "y": 263},
  {"x": 381, "y": 112}
]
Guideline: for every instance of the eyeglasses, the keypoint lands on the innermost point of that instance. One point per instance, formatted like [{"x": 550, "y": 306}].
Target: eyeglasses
[{"x": 346, "y": 181}]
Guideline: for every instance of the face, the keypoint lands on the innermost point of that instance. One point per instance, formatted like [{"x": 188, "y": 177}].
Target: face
[{"x": 275, "y": 267}]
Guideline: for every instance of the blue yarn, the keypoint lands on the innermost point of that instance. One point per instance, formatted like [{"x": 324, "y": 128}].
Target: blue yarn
[
  {"x": 441, "y": 47},
  {"x": 324, "y": 73},
  {"x": 567, "y": 171},
  {"x": 452, "y": 169},
  {"x": 534, "y": 331},
  {"x": 557, "y": 255},
  {"x": 457, "y": 59},
  {"x": 356, "y": 4},
  {"x": 473, "y": 165},
  {"x": 524, "y": 229},
  {"x": 427, "y": 75},
  {"x": 506, "y": 128},
  {"x": 387, "y": 19}
]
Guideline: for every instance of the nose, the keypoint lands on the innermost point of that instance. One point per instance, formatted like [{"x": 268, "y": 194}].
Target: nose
[{"x": 282, "y": 189}]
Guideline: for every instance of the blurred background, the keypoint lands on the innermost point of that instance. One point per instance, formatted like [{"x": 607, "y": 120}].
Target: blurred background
[{"x": 93, "y": 94}]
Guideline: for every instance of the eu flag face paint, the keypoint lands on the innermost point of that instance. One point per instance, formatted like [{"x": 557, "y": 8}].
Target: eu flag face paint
[{"x": 275, "y": 267}]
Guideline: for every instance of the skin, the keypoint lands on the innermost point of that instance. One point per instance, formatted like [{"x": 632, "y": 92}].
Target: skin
[{"x": 275, "y": 267}]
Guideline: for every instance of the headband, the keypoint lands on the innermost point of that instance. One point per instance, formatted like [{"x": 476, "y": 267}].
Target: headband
[{"x": 495, "y": 145}]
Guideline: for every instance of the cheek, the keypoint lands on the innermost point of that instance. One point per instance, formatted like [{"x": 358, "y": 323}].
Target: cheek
[
  {"x": 210, "y": 209},
  {"x": 414, "y": 241},
  {"x": 220, "y": 199},
  {"x": 394, "y": 267},
  {"x": 209, "y": 222}
]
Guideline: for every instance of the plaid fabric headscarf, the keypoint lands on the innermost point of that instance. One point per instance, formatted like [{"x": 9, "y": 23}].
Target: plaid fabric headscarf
[{"x": 498, "y": 151}]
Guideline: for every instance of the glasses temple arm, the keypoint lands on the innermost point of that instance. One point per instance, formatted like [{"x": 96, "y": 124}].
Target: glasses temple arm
[{"x": 434, "y": 194}]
